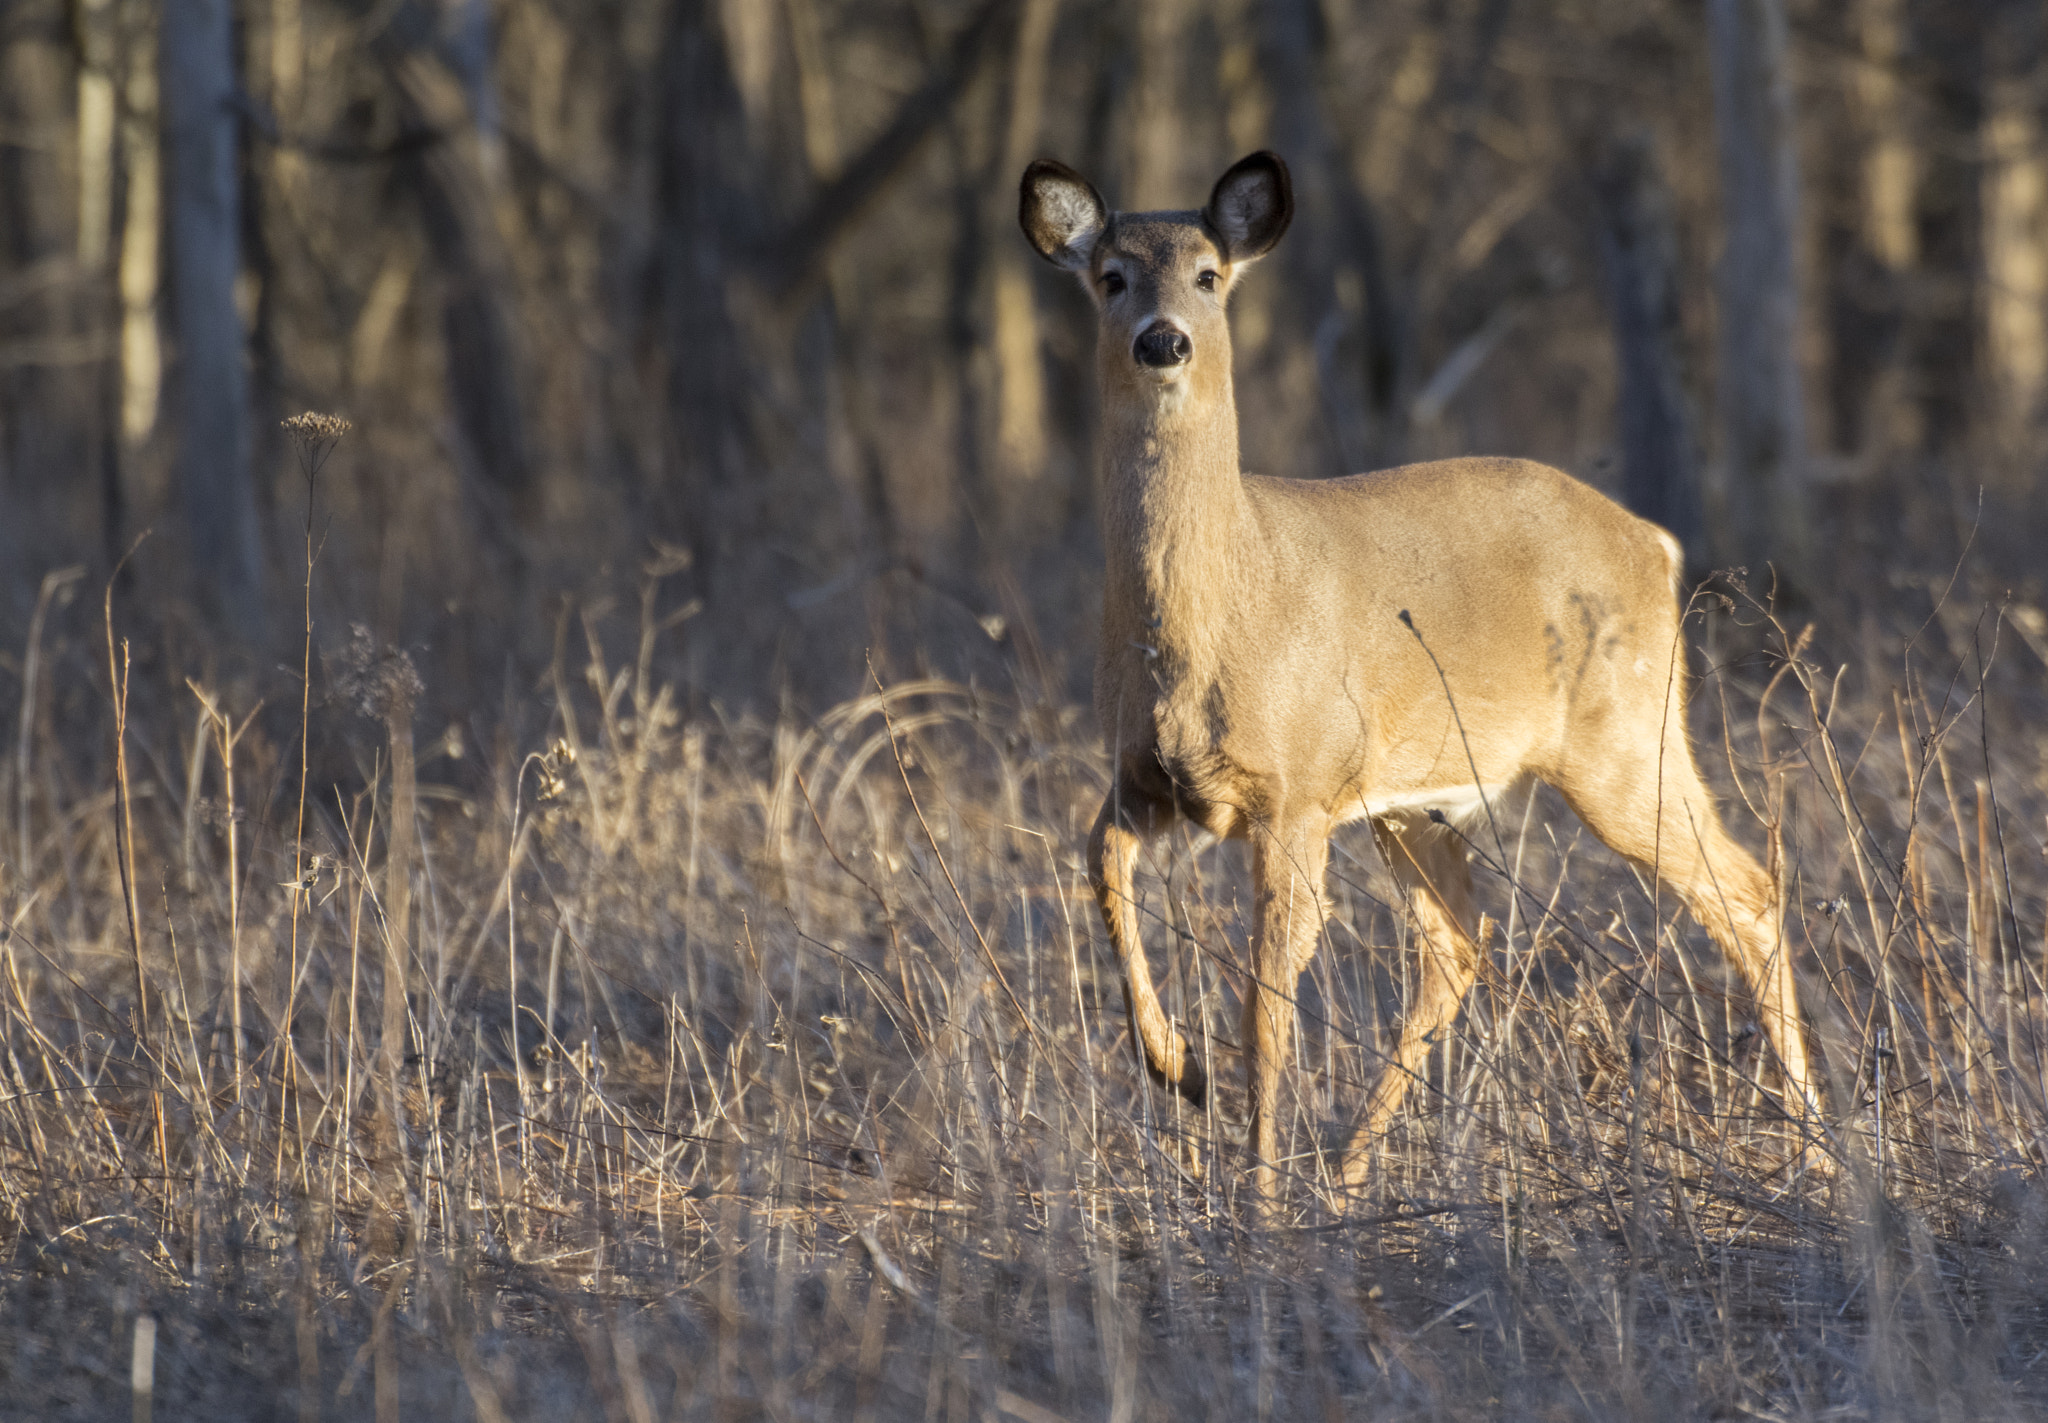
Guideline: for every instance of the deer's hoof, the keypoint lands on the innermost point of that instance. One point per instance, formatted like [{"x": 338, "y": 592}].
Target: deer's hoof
[{"x": 1192, "y": 1085}]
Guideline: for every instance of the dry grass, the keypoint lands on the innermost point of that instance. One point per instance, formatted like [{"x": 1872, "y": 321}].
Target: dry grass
[{"x": 821, "y": 1103}]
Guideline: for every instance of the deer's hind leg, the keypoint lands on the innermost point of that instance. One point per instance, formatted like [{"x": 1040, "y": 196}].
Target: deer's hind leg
[
  {"x": 1130, "y": 819},
  {"x": 1429, "y": 863},
  {"x": 1675, "y": 838}
]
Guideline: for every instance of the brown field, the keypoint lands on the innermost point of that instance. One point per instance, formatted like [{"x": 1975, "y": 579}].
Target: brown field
[{"x": 822, "y": 1103}]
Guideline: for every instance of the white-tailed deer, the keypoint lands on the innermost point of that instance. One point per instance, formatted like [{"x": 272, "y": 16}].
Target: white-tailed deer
[{"x": 1282, "y": 656}]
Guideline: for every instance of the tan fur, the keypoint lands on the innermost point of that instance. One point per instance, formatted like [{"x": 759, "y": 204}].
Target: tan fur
[{"x": 1256, "y": 676}]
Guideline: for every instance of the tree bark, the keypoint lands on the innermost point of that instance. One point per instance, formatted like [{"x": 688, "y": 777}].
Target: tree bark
[
  {"x": 1873, "y": 250},
  {"x": 1157, "y": 125},
  {"x": 1333, "y": 229},
  {"x": 1639, "y": 261},
  {"x": 791, "y": 264},
  {"x": 1760, "y": 402},
  {"x": 141, "y": 232},
  {"x": 1890, "y": 162},
  {"x": 2015, "y": 235},
  {"x": 976, "y": 150},
  {"x": 93, "y": 23},
  {"x": 45, "y": 408},
  {"x": 200, "y": 133},
  {"x": 708, "y": 225},
  {"x": 1942, "y": 336},
  {"x": 95, "y": 29},
  {"x": 1020, "y": 376},
  {"x": 455, "y": 180}
]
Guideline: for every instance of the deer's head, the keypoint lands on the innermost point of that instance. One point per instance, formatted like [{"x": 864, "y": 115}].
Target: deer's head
[{"x": 1160, "y": 279}]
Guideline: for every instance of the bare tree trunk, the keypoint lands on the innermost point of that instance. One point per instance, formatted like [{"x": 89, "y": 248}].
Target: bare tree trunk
[
  {"x": 846, "y": 452},
  {"x": 37, "y": 404},
  {"x": 725, "y": 272},
  {"x": 1871, "y": 409},
  {"x": 1890, "y": 162},
  {"x": 792, "y": 262},
  {"x": 141, "y": 231},
  {"x": 852, "y": 451},
  {"x": 93, "y": 22},
  {"x": 287, "y": 61},
  {"x": 975, "y": 153},
  {"x": 1391, "y": 162},
  {"x": 808, "y": 46},
  {"x": 1156, "y": 123},
  {"x": 1386, "y": 150},
  {"x": 2015, "y": 266},
  {"x": 1944, "y": 340},
  {"x": 1639, "y": 258},
  {"x": 2015, "y": 237},
  {"x": 1311, "y": 314},
  {"x": 706, "y": 221},
  {"x": 200, "y": 122},
  {"x": 1761, "y": 405},
  {"x": 1020, "y": 375},
  {"x": 456, "y": 180}
]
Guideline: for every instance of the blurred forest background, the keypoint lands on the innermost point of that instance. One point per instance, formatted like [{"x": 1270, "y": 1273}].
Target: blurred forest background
[
  {"x": 737, "y": 282},
  {"x": 755, "y": 1037}
]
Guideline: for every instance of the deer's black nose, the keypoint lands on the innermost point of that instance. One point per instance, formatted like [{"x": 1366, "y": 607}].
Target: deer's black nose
[{"x": 1164, "y": 346}]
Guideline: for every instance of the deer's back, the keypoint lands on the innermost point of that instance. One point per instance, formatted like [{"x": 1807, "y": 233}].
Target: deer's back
[{"x": 1548, "y": 607}]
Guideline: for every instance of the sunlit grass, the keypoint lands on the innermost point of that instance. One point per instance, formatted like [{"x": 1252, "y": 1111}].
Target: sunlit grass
[{"x": 777, "y": 1068}]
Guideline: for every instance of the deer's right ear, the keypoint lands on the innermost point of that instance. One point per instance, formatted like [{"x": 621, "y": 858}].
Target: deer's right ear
[{"x": 1061, "y": 213}]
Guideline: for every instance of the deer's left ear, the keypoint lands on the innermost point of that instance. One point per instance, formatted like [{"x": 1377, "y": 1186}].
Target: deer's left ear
[
  {"x": 1061, "y": 213},
  {"x": 1251, "y": 207}
]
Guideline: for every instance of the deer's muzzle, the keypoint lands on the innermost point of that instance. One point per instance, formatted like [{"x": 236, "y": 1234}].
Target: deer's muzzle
[{"x": 1161, "y": 345}]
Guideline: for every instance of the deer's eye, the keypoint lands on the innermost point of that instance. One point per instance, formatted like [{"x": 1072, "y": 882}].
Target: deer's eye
[
  {"x": 1206, "y": 281},
  {"x": 1113, "y": 283}
]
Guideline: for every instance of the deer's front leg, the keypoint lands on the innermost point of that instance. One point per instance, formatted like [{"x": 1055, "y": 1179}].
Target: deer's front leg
[
  {"x": 1287, "y": 874},
  {"x": 1129, "y": 821}
]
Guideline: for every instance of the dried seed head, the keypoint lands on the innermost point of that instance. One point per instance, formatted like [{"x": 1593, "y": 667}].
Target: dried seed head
[
  {"x": 316, "y": 866},
  {"x": 313, "y": 428},
  {"x": 553, "y": 762},
  {"x": 215, "y": 815},
  {"x": 380, "y": 680},
  {"x": 314, "y": 436}
]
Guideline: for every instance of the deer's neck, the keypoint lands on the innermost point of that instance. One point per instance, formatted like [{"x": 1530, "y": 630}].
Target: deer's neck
[{"x": 1174, "y": 516}]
